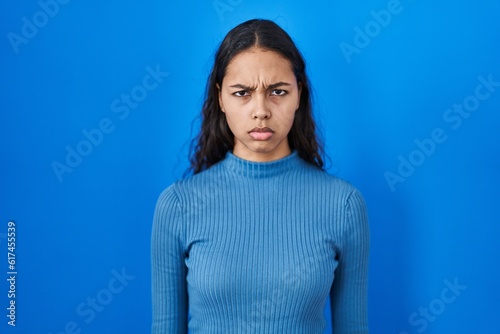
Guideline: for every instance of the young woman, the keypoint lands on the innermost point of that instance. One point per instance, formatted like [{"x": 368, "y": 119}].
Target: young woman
[{"x": 258, "y": 238}]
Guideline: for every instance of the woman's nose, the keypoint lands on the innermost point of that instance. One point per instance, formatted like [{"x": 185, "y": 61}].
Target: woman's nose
[{"x": 261, "y": 109}]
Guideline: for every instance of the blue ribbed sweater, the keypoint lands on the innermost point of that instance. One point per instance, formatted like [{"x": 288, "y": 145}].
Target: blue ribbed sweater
[{"x": 257, "y": 247}]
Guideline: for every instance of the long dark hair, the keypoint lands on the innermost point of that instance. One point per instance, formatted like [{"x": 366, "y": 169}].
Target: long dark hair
[{"x": 215, "y": 138}]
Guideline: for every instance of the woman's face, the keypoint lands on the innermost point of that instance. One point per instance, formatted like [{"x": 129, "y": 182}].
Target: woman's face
[{"x": 259, "y": 96}]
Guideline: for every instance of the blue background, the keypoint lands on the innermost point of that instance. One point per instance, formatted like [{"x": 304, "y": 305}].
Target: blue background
[{"x": 77, "y": 232}]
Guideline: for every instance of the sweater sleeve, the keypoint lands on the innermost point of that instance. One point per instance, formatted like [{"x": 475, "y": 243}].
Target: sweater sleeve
[
  {"x": 348, "y": 294},
  {"x": 169, "y": 291}
]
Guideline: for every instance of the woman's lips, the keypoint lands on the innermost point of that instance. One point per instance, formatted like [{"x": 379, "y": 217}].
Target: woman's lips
[{"x": 261, "y": 133}]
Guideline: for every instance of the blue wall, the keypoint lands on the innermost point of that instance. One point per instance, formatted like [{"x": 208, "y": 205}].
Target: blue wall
[{"x": 96, "y": 111}]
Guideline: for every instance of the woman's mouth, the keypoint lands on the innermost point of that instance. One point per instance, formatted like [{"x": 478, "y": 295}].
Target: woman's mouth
[{"x": 261, "y": 133}]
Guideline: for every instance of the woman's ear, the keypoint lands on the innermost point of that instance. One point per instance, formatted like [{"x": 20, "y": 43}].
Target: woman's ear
[
  {"x": 221, "y": 106},
  {"x": 299, "y": 95}
]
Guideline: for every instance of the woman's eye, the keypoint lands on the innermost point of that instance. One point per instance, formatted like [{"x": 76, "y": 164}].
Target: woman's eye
[
  {"x": 241, "y": 93},
  {"x": 279, "y": 92}
]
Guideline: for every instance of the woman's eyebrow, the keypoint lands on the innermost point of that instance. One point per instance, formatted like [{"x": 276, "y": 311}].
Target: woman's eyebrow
[
  {"x": 271, "y": 86},
  {"x": 242, "y": 87},
  {"x": 278, "y": 84}
]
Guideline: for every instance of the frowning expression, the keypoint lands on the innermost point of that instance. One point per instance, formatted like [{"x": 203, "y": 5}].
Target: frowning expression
[{"x": 260, "y": 95}]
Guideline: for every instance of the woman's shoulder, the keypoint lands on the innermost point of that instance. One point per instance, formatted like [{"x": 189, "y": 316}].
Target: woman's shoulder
[
  {"x": 330, "y": 182},
  {"x": 198, "y": 183},
  {"x": 333, "y": 190},
  {"x": 340, "y": 194}
]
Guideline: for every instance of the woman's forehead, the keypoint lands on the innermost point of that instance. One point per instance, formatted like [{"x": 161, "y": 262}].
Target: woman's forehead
[{"x": 259, "y": 66}]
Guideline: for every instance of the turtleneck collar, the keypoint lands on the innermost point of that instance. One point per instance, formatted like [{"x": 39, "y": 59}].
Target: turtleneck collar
[{"x": 257, "y": 170}]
